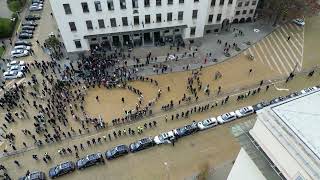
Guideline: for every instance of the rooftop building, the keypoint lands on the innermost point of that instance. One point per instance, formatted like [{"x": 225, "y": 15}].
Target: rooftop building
[{"x": 116, "y": 23}]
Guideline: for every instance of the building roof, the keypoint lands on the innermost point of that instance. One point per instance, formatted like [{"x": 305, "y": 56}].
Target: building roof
[{"x": 302, "y": 116}]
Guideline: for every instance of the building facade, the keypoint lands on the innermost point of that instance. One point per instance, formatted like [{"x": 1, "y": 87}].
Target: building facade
[{"x": 108, "y": 23}]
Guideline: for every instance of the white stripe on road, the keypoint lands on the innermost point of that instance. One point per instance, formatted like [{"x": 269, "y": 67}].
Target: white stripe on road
[
  {"x": 271, "y": 57},
  {"x": 278, "y": 57},
  {"x": 282, "y": 30},
  {"x": 256, "y": 53},
  {"x": 265, "y": 56},
  {"x": 293, "y": 36}
]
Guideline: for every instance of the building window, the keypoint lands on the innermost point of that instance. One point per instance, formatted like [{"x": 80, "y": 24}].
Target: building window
[
  {"x": 180, "y": 15},
  {"x": 210, "y": 18},
  {"x": 135, "y": 4},
  {"x": 146, "y": 3},
  {"x": 219, "y": 17},
  {"x": 194, "y": 14},
  {"x": 192, "y": 31},
  {"x": 237, "y": 13},
  {"x": 89, "y": 25},
  {"x": 221, "y": 2},
  {"x": 230, "y": 1},
  {"x": 170, "y": 2},
  {"x": 158, "y": 18},
  {"x": 123, "y": 4},
  {"x": 85, "y": 7},
  {"x": 110, "y": 5},
  {"x": 195, "y": 1},
  {"x": 67, "y": 8},
  {"x": 101, "y": 23},
  {"x": 169, "y": 16},
  {"x": 124, "y": 21},
  {"x": 72, "y": 26},
  {"x": 147, "y": 19},
  {"x": 244, "y": 12},
  {"x": 181, "y": 1},
  {"x": 213, "y": 2},
  {"x": 77, "y": 43},
  {"x": 97, "y": 5},
  {"x": 239, "y": 4},
  {"x": 113, "y": 22},
  {"x": 254, "y": 3},
  {"x": 251, "y": 11},
  {"x": 136, "y": 20},
  {"x": 158, "y": 2},
  {"x": 247, "y": 3}
]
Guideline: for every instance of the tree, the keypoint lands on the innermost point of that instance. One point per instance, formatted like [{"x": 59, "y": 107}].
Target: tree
[
  {"x": 52, "y": 42},
  {"x": 289, "y": 9}
]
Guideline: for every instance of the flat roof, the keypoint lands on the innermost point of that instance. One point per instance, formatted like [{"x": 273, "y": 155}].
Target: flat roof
[{"x": 302, "y": 116}]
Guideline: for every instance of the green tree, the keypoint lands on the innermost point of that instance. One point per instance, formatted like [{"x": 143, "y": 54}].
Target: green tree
[
  {"x": 289, "y": 9},
  {"x": 52, "y": 42}
]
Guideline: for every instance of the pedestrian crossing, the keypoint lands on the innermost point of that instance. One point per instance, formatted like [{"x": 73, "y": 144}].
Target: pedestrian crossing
[{"x": 282, "y": 50}]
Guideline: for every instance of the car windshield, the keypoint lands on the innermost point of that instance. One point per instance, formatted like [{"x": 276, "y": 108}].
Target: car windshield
[
  {"x": 34, "y": 175},
  {"x": 225, "y": 116},
  {"x": 244, "y": 110},
  {"x": 137, "y": 144},
  {"x": 163, "y": 136},
  {"x": 207, "y": 122}
]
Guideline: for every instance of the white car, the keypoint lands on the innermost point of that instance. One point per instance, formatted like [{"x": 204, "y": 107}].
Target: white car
[
  {"x": 309, "y": 89},
  {"x": 16, "y": 68},
  {"x": 299, "y": 22},
  {"x": 13, "y": 63},
  {"x": 207, "y": 123},
  {"x": 19, "y": 53},
  {"x": 23, "y": 47},
  {"x": 12, "y": 75},
  {"x": 226, "y": 117},
  {"x": 245, "y": 111},
  {"x": 164, "y": 138}
]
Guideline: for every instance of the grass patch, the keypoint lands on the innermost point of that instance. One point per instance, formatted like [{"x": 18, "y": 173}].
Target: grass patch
[
  {"x": 16, "y": 5},
  {"x": 6, "y": 27},
  {"x": 1, "y": 51}
]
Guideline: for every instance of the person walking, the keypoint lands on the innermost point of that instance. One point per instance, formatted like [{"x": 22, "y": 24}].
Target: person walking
[{"x": 289, "y": 37}]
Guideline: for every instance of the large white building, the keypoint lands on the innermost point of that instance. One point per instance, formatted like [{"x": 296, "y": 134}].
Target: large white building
[
  {"x": 288, "y": 136},
  {"x": 87, "y": 23}
]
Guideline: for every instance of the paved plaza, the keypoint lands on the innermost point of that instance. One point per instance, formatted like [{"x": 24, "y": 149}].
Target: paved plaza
[{"x": 275, "y": 57}]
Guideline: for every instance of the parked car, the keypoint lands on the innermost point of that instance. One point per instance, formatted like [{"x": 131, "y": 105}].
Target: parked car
[
  {"x": 8, "y": 75},
  {"x": 27, "y": 31},
  {"x": 207, "y": 123},
  {"x": 19, "y": 53},
  {"x": 35, "y": 175},
  {"x": 117, "y": 151},
  {"x": 25, "y": 36},
  {"x": 12, "y": 63},
  {"x": 141, "y": 144},
  {"x": 36, "y": 7},
  {"x": 32, "y": 17},
  {"x": 164, "y": 138},
  {"x": 299, "y": 22},
  {"x": 294, "y": 94},
  {"x": 26, "y": 43},
  {"x": 309, "y": 89},
  {"x": 32, "y": 28},
  {"x": 278, "y": 99},
  {"x": 260, "y": 105},
  {"x": 227, "y": 117},
  {"x": 16, "y": 68},
  {"x": 29, "y": 23},
  {"x": 245, "y": 111},
  {"x": 61, "y": 169},
  {"x": 22, "y": 47},
  {"x": 90, "y": 160},
  {"x": 37, "y": 1},
  {"x": 186, "y": 130}
]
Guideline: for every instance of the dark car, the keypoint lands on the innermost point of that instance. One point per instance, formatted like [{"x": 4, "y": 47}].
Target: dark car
[
  {"x": 141, "y": 144},
  {"x": 186, "y": 130},
  {"x": 29, "y": 23},
  {"x": 294, "y": 94},
  {"x": 260, "y": 105},
  {"x": 61, "y": 169},
  {"x": 26, "y": 43},
  {"x": 27, "y": 31},
  {"x": 25, "y": 36},
  {"x": 90, "y": 160},
  {"x": 278, "y": 99},
  {"x": 28, "y": 28},
  {"x": 36, "y": 175},
  {"x": 117, "y": 151},
  {"x": 32, "y": 17}
]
